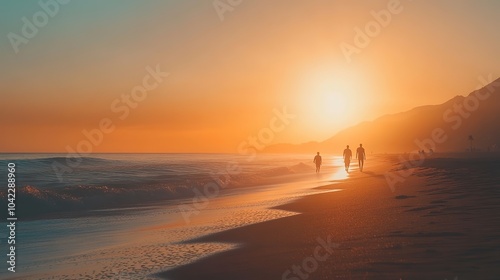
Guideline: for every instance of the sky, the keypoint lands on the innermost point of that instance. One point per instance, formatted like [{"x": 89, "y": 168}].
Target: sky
[{"x": 223, "y": 73}]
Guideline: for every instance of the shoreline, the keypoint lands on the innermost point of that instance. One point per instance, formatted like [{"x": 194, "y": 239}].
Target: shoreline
[
  {"x": 423, "y": 230},
  {"x": 40, "y": 202},
  {"x": 161, "y": 229}
]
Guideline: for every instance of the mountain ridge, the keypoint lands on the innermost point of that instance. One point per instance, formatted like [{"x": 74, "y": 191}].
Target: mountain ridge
[{"x": 476, "y": 114}]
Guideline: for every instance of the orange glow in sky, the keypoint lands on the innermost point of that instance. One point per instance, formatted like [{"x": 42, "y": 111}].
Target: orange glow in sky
[{"x": 226, "y": 77}]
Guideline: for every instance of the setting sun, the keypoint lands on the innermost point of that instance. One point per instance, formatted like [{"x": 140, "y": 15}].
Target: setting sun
[
  {"x": 226, "y": 78},
  {"x": 328, "y": 98}
]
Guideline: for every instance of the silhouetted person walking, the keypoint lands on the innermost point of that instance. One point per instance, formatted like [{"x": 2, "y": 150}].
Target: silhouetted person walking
[
  {"x": 317, "y": 159},
  {"x": 347, "y": 158},
  {"x": 361, "y": 156}
]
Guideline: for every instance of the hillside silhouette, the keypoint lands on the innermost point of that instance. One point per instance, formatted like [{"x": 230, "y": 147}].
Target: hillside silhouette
[{"x": 457, "y": 119}]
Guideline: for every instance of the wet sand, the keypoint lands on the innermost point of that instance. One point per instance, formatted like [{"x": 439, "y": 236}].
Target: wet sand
[{"x": 442, "y": 222}]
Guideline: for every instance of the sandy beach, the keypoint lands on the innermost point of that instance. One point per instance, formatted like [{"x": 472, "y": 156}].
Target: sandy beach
[{"x": 441, "y": 222}]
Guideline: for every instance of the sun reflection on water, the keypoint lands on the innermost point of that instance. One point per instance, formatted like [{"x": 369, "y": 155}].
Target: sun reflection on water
[{"x": 340, "y": 173}]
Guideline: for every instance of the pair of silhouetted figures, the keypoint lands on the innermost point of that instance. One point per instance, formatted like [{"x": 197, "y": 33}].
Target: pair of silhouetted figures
[{"x": 360, "y": 155}]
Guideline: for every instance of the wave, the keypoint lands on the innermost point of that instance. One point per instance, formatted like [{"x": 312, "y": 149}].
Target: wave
[
  {"x": 61, "y": 159},
  {"x": 34, "y": 201},
  {"x": 121, "y": 184}
]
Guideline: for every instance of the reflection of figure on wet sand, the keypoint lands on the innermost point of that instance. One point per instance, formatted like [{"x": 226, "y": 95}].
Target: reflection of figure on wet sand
[
  {"x": 361, "y": 156},
  {"x": 317, "y": 160},
  {"x": 347, "y": 158}
]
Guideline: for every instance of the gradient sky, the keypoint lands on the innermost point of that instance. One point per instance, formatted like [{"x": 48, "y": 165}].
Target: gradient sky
[{"x": 227, "y": 77}]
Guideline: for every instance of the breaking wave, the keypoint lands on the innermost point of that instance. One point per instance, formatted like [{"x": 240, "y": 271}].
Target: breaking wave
[{"x": 99, "y": 183}]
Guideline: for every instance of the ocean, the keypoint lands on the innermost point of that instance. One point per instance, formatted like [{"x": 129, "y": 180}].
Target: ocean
[{"x": 126, "y": 216}]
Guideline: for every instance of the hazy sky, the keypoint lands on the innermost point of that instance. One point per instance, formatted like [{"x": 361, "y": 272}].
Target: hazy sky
[{"x": 228, "y": 77}]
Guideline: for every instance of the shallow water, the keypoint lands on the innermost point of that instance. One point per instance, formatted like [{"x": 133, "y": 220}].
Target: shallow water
[
  {"x": 137, "y": 242},
  {"x": 49, "y": 183}
]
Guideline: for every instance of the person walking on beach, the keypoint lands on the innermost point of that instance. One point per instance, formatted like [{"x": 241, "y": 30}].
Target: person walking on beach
[
  {"x": 317, "y": 159},
  {"x": 361, "y": 156},
  {"x": 347, "y": 158}
]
